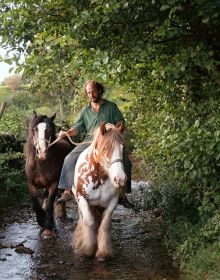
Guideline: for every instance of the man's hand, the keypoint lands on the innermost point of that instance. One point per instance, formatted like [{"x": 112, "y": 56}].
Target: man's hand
[
  {"x": 71, "y": 132},
  {"x": 62, "y": 134}
]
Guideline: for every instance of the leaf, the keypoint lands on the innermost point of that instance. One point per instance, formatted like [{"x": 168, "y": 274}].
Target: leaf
[
  {"x": 105, "y": 60},
  {"x": 217, "y": 133},
  {"x": 164, "y": 7},
  {"x": 11, "y": 69},
  {"x": 8, "y": 61},
  {"x": 205, "y": 20},
  {"x": 197, "y": 123}
]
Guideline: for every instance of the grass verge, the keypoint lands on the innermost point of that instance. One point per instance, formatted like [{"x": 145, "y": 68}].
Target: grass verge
[{"x": 204, "y": 265}]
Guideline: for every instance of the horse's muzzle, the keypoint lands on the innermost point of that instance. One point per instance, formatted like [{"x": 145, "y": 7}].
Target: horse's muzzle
[{"x": 42, "y": 155}]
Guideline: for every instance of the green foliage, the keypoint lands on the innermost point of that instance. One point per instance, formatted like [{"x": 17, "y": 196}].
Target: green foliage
[
  {"x": 185, "y": 238},
  {"x": 4, "y": 93},
  {"x": 115, "y": 41},
  {"x": 13, "y": 125},
  {"x": 22, "y": 101},
  {"x": 14, "y": 122},
  {"x": 13, "y": 186},
  {"x": 180, "y": 144},
  {"x": 205, "y": 264}
]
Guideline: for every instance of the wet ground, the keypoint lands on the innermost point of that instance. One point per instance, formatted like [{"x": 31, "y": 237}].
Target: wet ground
[{"x": 138, "y": 251}]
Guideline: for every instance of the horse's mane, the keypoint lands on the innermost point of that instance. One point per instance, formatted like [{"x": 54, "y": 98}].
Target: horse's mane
[{"x": 105, "y": 142}]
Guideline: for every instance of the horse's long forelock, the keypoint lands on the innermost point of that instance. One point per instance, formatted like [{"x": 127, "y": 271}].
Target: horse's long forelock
[{"x": 105, "y": 143}]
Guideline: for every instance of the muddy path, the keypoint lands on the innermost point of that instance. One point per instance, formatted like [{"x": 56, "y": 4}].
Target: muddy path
[{"x": 138, "y": 251}]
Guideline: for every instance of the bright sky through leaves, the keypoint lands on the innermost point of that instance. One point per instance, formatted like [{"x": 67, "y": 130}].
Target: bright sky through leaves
[{"x": 4, "y": 67}]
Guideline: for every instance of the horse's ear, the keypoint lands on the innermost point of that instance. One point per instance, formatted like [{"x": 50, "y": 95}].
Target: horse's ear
[
  {"x": 53, "y": 116},
  {"x": 34, "y": 115},
  {"x": 120, "y": 127},
  {"x": 102, "y": 128}
]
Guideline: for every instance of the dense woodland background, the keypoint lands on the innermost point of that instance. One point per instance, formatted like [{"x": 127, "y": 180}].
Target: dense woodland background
[{"x": 159, "y": 60}]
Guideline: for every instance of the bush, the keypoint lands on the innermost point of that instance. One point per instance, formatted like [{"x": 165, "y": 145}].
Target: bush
[
  {"x": 14, "y": 121},
  {"x": 13, "y": 184},
  {"x": 176, "y": 132}
]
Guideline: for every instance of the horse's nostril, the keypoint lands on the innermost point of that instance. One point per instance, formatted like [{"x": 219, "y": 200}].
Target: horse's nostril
[{"x": 41, "y": 154}]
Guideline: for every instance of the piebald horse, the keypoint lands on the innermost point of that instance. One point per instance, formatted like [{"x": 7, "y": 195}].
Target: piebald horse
[
  {"x": 43, "y": 167},
  {"x": 99, "y": 177}
]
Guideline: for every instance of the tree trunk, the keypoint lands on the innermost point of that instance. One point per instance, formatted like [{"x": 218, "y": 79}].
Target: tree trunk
[
  {"x": 2, "y": 108},
  {"x": 61, "y": 105}
]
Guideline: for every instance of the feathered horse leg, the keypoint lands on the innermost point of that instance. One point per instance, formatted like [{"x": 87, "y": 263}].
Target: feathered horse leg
[
  {"x": 104, "y": 232},
  {"x": 84, "y": 237}
]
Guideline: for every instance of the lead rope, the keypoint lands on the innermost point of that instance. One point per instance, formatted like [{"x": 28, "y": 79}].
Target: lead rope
[
  {"x": 74, "y": 143},
  {"x": 107, "y": 126}
]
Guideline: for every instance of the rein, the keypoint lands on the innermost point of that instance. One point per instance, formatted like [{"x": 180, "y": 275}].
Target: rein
[
  {"x": 58, "y": 139},
  {"x": 75, "y": 143},
  {"x": 108, "y": 126}
]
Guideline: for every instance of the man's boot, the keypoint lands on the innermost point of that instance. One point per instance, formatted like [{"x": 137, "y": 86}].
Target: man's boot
[
  {"x": 67, "y": 195},
  {"x": 123, "y": 200}
]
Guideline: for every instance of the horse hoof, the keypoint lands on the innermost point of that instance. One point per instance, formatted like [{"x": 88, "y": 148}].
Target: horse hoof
[
  {"x": 47, "y": 234},
  {"x": 102, "y": 257}
]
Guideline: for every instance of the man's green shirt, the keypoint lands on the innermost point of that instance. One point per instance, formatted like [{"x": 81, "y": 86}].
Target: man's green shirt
[{"x": 89, "y": 119}]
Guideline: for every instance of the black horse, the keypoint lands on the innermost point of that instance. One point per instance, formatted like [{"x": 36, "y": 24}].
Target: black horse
[{"x": 43, "y": 167}]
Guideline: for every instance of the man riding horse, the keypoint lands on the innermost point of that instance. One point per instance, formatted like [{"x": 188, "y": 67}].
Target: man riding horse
[{"x": 98, "y": 110}]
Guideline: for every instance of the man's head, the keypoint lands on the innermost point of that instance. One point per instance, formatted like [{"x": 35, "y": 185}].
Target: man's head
[{"x": 94, "y": 90}]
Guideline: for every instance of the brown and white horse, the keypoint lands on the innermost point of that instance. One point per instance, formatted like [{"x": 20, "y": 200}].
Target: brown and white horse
[
  {"x": 43, "y": 167},
  {"x": 99, "y": 176}
]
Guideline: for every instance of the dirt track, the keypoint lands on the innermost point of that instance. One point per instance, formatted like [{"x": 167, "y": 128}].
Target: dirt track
[{"x": 137, "y": 248}]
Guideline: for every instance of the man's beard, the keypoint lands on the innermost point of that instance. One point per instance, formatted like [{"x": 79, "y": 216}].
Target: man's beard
[{"x": 95, "y": 99}]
